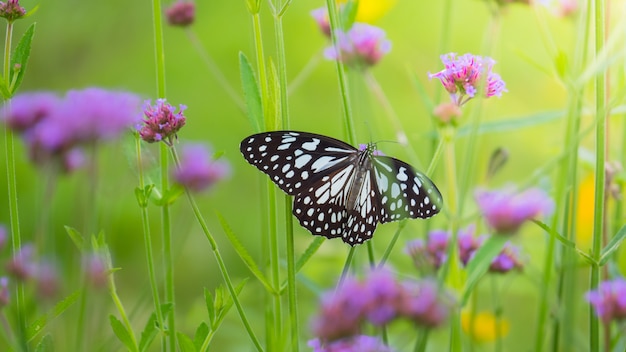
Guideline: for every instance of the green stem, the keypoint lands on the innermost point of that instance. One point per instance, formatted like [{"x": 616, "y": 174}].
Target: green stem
[
  {"x": 147, "y": 237},
  {"x": 120, "y": 307},
  {"x": 600, "y": 170},
  {"x": 16, "y": 239},
  {"x": 422, "y": 340},
  {"x": 159, "y": 51},
  {"x": 290, "y": 250},
  {"x": 220, "y": 261}
]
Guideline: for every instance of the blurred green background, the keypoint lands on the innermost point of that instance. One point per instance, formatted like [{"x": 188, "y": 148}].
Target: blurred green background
[{"x": 110, "y": 44}]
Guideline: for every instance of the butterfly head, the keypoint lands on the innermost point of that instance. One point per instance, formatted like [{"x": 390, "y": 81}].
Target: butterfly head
[{"x": 370, "y": 149}]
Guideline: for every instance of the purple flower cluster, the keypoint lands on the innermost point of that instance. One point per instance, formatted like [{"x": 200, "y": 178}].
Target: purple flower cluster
[
  {"x": 57, "y": 128},
  {"x": 464, "y": 74},
  {"x": 362, "y": 46},
  {"x": 161, "y": 122},
  {"x": 609, "y": 300},
  {"x": 378, "y": 299},
  {"x": 359, "y": 343},
  {"x": 320, "y": 15},
  {"x": 181, "y": 13},
  {"x": 25, "y": 267},
  {"x": 11, "y": 10},
  {"x": 432, "y": 254},
  {"x": 506, "y": 210},
  {"x": 197, "y": 171}
]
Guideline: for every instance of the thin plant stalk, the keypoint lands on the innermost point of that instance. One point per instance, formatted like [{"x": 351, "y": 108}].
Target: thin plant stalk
[
  {"x": 147, "y": 238},
  {"x": 220, "y": 261},
  {"x": 16, "y": 240},
  {"x": 285, "y": 122},
  {"x": 600, "y": 168},
  {"x": 159, "y": 50}
]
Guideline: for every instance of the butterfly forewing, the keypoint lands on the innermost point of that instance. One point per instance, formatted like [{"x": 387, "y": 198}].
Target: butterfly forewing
[
  {"x": 294, "y": 160},
  {"x": 405, "y": 193},
  {"x": 341, "y": 191}
]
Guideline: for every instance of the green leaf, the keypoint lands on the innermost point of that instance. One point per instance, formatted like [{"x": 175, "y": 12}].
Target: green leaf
[
  {"x": 565, "y": 241},
  {"x": 560, "y": 63},
  {"x": 208, "y": 299},
  {"x": 201, "y": 333},
  {"x": 480, "y": 263},
  {"x": 227, "y": 304},
  {"x": 185, "y": 343},
  {"x": 170, "y": 196},
  {"x": 76, "y": 237},
  {"x": 143, "y": 195},
  {"x": 152, "y": 328},
  {"x": 514, "y": 124},
  {"x": 45, "y": 345},
  {"x": 612, "y": 246},
  {"x": 244, "y": 255},
  {"x": 122, "y": 334},
  {"x": 4, "y": 89},
  {"x": 251, "y": 93},
  {"x": 20, "y": 57},
  {"x": 347, "y": 16},
  {"x": 40, "y": 323}
]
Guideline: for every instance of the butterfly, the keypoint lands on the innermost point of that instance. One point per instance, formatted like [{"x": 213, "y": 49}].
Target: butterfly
[{"x": 339, "y": 190}]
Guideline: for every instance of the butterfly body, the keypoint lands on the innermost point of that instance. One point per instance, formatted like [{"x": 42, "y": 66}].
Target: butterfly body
[{"x": 339, "y": 190}]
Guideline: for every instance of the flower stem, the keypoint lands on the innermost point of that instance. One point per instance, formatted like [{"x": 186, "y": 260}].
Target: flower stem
[
  {"x": 220, "y": 261},
  {"x": 16, "y": 239},
  {"x": 600, "y": 169},
  {"x": 147, "y": 237}
]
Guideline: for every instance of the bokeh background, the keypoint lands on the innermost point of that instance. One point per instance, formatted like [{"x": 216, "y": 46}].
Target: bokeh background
[{"x": 109, "y": 44}]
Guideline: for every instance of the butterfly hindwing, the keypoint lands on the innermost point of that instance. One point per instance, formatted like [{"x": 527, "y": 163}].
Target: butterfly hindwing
[{"x": 405, "y": 193}]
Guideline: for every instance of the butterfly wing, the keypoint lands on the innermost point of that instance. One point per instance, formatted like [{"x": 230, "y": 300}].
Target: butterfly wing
[
  {"x": 325, "y": 210},
  {"x": 405, "y": 192},
  {"x": 295, "y": 160}
]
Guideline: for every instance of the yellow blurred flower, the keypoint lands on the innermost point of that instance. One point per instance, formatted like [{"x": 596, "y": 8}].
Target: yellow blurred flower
[
  {"x": 370, "y": 11},
  {"x": 485, "y": 327},
  {"x": 584, "y": 212}
]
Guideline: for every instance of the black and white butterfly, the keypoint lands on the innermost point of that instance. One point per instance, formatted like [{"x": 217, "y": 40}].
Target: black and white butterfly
[{"x": 339, "y": 190}]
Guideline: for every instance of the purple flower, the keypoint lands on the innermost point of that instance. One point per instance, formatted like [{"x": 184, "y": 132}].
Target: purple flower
[
  {"x": 505, "y": 211},
  {"x": 468, "y": 243},
  {"x": 507, "y": 260},
  {"x": 4, "y": 236},
  {"x": 26, "y": 110},
  {"x": 23, "y": 266},
  {"x": 360, "y": 343},
  {"x": 320, "y": 16},
  {"x": 181, "y": 13},
  {"x": 363, "y": 45},
  {"x": 463, "y": 74},
  {"x": 433, "y": 253},
  {"x": 341, "y": 312},
  {"x": 5, "y": 296},
  {"x": 11, "y": 10},
  {"x": 161, "y": 122},
  {"x": 196, "y": 170},
  {"x": 95, "y": 270},
  {"x": 609, "y": 300},
  {"x": 425, "y": 303},
  {"x": 383, "y": 293},
  {"x": 47, "y": 279}
]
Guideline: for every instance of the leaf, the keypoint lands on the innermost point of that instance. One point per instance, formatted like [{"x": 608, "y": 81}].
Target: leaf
[
  {"x": 143, "y": 195},
  {"x": 565, "y": 241},
  {"x": 560, "y": 63},
  {"x": 40, "y": 323},
  {"x": 348, "y": 14},
  {"x": 149, "y": 332},
  {"x": 20, "y": 57},
  {"x": 185, "y": 343},
  {"x": 76, "y": 237},
  {"x": 4, "y": 89},
  {"x": 45, "y": 345},
  {"x": 244, "y": 255},
  {"x": 171, "y": 195},
  {"x": 612, "y": 246},
  {"x": 201, "y": 333},
  {"x": 481, "y": 261},
  {"x": 208, "y": 299},
  {"x": 122, "y": 334},
  {"x": 251, "y": 93},
  {"x": 308, "y": 253},
  {"x": 514, "y": 124}
]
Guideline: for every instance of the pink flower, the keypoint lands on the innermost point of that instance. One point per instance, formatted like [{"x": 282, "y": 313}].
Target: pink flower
[
  {"x": 161, "y": 122},
  {"x": 463, "y": 74},
  {"x": 362, "y": 46},
  {"x": 197, "y": 171},
  {"x": 181, "y": 13}
]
